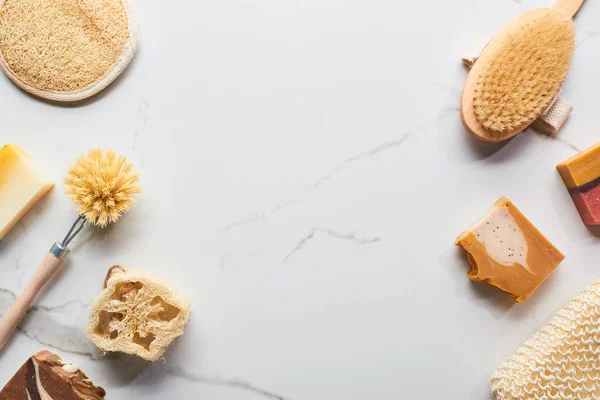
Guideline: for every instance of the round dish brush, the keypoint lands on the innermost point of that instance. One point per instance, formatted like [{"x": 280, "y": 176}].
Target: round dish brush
[
  {"x": 102, "y": 185},
  {"x": 520, "y": 72}
]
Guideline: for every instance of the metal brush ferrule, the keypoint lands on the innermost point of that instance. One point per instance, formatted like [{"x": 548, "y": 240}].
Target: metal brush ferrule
[
  {"x": 77, "y": 226},
  {"x": 58, "y": 251}
]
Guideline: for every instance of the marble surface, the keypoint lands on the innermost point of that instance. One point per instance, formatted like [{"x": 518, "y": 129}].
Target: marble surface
[{"x": 305, "y": 174}]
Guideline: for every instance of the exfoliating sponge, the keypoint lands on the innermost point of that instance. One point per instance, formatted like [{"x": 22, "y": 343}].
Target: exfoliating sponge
[
  {"x": 136, "y": 314},
  {"x": 65, "y": 50},
  {"x": 22, "y": 184},
  {"x": 559, "y": 362},
  {"x": 517, "y": 77}
]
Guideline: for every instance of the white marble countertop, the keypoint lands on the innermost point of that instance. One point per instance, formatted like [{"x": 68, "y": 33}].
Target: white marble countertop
[{"x": 305, "y": 174}]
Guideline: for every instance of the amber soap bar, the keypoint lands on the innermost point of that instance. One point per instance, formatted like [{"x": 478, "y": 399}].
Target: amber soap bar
[
  {"x": 22, "y": 184},
  {"x": 581, "y": 175},
  {"x": 44, "y": 376},
  {"x": 505, "y": 250}
]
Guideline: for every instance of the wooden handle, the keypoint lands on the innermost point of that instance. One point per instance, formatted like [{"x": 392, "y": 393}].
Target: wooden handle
[
  {"x": 9, "y": 322},
  {"x": 568, "y": 8}
]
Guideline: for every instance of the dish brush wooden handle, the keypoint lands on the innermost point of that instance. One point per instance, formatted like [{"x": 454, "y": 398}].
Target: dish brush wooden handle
[
  {"x": 568, "y": 8},
  {"x": 50, "y": 264}
]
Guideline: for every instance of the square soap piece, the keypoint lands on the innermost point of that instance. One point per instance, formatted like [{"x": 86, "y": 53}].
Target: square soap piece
[
  {"x": 45, "y": 376},
  {"x": 505, "y": 250},
  {"x": 22, "y": 184},
  {"x": 581, "y": 175}
]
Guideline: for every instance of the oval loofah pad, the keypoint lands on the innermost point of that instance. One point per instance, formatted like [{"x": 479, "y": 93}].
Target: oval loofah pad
[
  {"x": 136, "y": 314},
  {"x": 66, "y": 50},
  {"x": 525, "y": 74}
]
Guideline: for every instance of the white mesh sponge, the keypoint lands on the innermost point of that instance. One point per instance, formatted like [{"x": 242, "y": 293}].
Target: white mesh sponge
[{"x": 561, "y": 361}]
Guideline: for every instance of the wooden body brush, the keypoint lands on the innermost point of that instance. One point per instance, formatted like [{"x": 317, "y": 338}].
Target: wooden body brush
[
  {"x": 518, "y": 75},
  {"x": 102, "y": 184}
]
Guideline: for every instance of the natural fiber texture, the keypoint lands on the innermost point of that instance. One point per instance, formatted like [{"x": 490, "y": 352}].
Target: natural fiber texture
[
  {"x": 102, "y": 184},
  {"x": 555, "y": 116},
  {"x": 62, "y": 45},
  {"x": 525, "y": 75},
  {"x": 136, "y": 314},
  {"x": 560, "y": 362}
]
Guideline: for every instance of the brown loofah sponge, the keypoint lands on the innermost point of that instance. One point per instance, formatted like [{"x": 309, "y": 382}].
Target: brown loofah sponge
[
  {"x": 525, "y": 74},
  {"x": 136, "y": 314},
  {"x": 65, "y": 50}
]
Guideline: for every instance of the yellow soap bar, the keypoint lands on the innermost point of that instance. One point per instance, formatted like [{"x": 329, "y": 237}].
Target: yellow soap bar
[{"x": 22, "y": 184}]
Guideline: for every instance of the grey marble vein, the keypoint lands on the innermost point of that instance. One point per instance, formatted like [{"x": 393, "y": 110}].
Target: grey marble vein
[
  {"x": 584, "y": 36},
  {"x": 447, "y": 88},
  {"x": 447, "y": 111},
  {"x": 563, "y": 141},
  {"x": 143, "y": 108},
  {"x": 341, "y": 236},
  {"x": 557, "y": 139},
  {"x": 362, "y": 156},
  {"x": 60, "y": 307},
  {"x": 33, "y": 336},
  {"x": 61, "y": 327},
  {"x": 235, "y": 383},
  {"x": 224, "y": 260},
  {"x": 262, "y": 216},
  {"x": 136, "y": 134}
]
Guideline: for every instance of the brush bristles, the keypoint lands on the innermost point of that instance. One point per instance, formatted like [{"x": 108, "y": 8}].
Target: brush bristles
[
  {"x": 525, "y": 75},
  {"x": 102, "y": 185}
]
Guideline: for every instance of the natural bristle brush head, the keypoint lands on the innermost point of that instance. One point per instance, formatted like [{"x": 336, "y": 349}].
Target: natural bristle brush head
[
  {"x": 526, "y": 73},
  {"x": 518, "y": 75},
  {"x": 102, "y": 185}
]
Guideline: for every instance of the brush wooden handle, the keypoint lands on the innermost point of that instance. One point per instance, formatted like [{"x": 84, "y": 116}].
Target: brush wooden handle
[
  {"x": 568, "y": 8},
  {"x": 9, "y": 322}
]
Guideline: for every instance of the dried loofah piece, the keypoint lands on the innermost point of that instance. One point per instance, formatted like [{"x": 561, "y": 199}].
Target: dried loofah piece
[
  {"x": 50, "y": 47},
  {"x": 559, "y": 362},
  {"x": 102, "y": 184},
  {"x": 525, "y": 75},
  {"x": 136, "y": 314}
]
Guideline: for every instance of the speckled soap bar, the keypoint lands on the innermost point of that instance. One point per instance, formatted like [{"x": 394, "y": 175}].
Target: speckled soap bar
[
  {"x": 581, "y": 175},
  {"x": 505, "y": 250}
]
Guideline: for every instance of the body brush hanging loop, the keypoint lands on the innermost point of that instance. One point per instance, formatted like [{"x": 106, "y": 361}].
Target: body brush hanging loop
[{"x": 102, "y": 185}]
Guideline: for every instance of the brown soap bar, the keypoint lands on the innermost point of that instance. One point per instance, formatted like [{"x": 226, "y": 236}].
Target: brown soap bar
[
  {"x": 45, "y": 376},
  {"x": 507, "y": 251}
]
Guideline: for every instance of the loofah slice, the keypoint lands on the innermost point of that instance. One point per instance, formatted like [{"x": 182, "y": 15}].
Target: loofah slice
[
  {"x": 562, "y": 361},
  {"x": 136, "y": 314},
  {"x": 525, "y": 74},
  {"x": 65, "y": 50}
]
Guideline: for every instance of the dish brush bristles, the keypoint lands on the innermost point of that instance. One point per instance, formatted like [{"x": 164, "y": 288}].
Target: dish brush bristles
[
  {"x": 102, "y": 185},
  {"x": 526, "y": 74}
]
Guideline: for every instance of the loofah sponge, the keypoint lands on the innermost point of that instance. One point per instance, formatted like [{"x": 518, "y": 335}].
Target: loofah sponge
[
  {"x": 136, "y": 314},
  {"x": 525, "y": 74},
  {"x": 559, "y": 362},
  {"x": 65, "y": 50}
]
